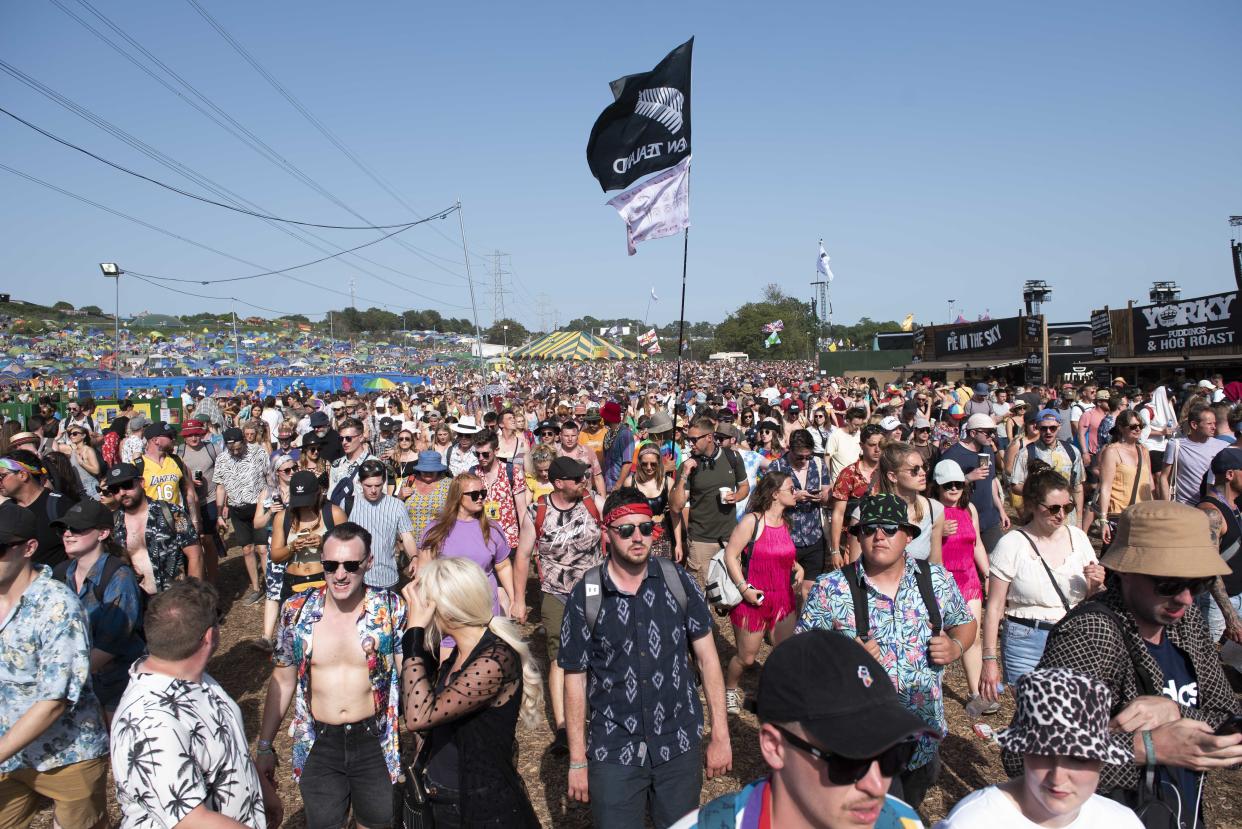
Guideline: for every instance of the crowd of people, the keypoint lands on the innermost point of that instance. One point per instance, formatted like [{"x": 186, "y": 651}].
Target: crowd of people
[{"x": 1072, "y": 546}]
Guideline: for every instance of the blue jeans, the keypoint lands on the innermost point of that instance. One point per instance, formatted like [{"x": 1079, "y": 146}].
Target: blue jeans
[
  {"x": 622, "y": 796},
  {"x": 1021, "y": 647}
]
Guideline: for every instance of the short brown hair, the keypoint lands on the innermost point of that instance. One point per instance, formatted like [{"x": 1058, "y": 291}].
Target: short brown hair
[{"x": 177, "y": 618}]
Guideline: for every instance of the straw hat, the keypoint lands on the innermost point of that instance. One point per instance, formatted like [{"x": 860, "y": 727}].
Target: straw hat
[{"x": 1164, "y": 538}]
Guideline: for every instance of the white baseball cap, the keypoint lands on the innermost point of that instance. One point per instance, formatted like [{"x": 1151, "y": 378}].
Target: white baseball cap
[
  {"x": 948, "y": 471},
  {"x": 890, "y": 423},
  {"x": 979, "y": 420}
]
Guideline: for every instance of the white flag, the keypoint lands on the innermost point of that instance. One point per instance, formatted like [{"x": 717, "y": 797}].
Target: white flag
[
  {"x": 658, "y": 207},
  {"x": 653, "y": 294},
  {"x": 821, "y": 267}
]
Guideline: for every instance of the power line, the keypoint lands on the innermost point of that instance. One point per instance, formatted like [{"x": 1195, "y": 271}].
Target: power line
[
  {"x": 194, "y": 196},
  {"x": 251, "y": 140},
  {"x": 192, "y": 175}
]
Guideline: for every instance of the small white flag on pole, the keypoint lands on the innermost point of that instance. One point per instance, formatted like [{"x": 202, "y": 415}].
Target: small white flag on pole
[
  {"x": 658, "y": 207},
  {"x": 653, "y": 294},
  {"x": 821, "y": 267}
]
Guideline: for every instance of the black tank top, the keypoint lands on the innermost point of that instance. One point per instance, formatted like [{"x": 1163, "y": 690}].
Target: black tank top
[{"x": 1230, "y": 543}]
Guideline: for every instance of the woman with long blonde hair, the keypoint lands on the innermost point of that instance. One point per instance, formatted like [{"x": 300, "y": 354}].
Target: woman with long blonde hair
[{"x": 467, "y": 712}]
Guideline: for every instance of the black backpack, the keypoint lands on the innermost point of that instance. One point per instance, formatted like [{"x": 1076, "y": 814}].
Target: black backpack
[
  {"x": 594, "y": 581},
  {"x": 862, "y": 619}
]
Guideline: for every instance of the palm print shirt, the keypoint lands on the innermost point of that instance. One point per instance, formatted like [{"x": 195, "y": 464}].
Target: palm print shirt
[
  {"x": 178, "y": 744},
  {"x": 640, "y": 688},
  {"x": 169, "y": 532},
  {"x": 45, "y": 655},
  {"x": 901, "y": 628},
  {"x": 381, "y": 621}
]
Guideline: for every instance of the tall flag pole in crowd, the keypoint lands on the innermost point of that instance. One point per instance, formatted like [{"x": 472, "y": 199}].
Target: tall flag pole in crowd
[
  {"x": 646, "y": 129},
  {"x": 823, "y": 273}
]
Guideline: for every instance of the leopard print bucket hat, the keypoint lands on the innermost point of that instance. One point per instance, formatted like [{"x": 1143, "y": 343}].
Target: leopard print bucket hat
[{"x": 1062, "y": 713}]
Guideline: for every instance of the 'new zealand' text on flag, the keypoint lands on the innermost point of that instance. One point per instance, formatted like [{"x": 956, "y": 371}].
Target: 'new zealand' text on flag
[{"x": 647, "y": 127}]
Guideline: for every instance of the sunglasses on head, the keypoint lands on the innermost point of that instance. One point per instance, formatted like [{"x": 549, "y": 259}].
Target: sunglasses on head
[
  {"x": 846, "y": 771},
  {"x": 474, "y": 494},
  {"x": 627, "y": 530},
  {"x": 1057, "y": 509},
  {"x": 1169, "y": 588},
  {"x": 114, "y": 489},
  {"x": 350, "y": 566}
]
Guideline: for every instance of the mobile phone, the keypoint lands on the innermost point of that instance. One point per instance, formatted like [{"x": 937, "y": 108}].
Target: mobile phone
[
  {"x": 759, "y": 597},
  {"x": 1233, "y": 725},
  {"x": 814, "y": 491}
]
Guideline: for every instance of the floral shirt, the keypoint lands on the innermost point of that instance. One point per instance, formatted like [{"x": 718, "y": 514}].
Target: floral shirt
[
  {"x": 852, "y": 484},
  {"x": 901, "y": 628},
  {"x": 178, "y": 744},
  {"x": 500, "y": 505},
  {"x": 45, "y": 655},
  {"x": 169, "y": 532},
  {"x": 380, "y": 625}
]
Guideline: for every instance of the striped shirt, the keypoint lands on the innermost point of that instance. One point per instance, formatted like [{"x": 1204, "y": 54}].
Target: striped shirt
[
  {"x": 385, "y": 519},
  {"x": 244, "y": 479}
]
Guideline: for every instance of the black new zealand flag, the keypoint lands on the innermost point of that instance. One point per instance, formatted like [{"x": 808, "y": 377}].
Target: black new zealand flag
[{"x": 647, "y": 127}]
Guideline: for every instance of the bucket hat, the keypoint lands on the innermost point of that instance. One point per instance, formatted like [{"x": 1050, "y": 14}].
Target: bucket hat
[
  {"x": 1166, "y": 539},
  {"x": 885, "y": 508},
  {"x": 1062, "y": 713},
  {"x": 429, "y": 460}
]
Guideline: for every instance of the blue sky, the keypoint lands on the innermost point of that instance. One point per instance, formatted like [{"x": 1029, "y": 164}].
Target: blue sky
[{"x": 941, "y": 150}]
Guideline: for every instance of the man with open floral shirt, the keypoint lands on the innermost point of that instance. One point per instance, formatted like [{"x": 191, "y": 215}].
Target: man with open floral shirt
[
  {"x": 899, "y": 632},
  {"x": 52, "y": 739},
  {"x": 335, "y": 756}
]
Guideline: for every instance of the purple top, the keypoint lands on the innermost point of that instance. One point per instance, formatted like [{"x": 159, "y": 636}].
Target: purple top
[{"x": 466, "y": 541}]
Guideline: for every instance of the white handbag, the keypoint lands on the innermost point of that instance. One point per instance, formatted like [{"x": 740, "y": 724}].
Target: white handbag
[{"x": 720, "y": 590}]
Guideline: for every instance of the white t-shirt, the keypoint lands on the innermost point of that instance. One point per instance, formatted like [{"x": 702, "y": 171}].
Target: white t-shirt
[
  {"x": 989, "y": 808},
  {"x": 1031, "y": 594}
]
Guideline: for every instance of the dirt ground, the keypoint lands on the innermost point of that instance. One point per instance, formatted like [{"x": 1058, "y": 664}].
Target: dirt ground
[{"x": 970, "y": 762}]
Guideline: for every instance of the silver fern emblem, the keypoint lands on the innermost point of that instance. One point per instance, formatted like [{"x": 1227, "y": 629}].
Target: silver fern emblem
[{"x": 663, "y": 104}]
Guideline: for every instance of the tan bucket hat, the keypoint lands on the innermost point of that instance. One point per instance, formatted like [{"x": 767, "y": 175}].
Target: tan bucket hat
[{"x": 1164, "y": 538}]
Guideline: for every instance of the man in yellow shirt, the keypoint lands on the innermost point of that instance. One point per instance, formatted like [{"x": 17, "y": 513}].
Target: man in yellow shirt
[{"x": 164, "y": 478}]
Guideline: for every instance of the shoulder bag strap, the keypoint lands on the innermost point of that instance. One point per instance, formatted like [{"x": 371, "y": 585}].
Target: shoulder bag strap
[
  {"x": 1055, "y": 585},
  {"x": 1138, "y": 474},
  {"x": 922, "y": 576},
  {"x": 862, "y": 618}
]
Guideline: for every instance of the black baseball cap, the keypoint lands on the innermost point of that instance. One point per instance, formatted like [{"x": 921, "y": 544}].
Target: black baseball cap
[
  {"x": 17, "y": 524},
  {"x": 386, "y": 424},
  {"x": 158, "y": 429},
  {"x": 547, "y": 425},
  {"x": 840, "y": 695},
  {"x": 318, "y": 419},
  {"x": 311, "y": 439},
  {"x": 122, "y": 473},
  {"x": 233, "y": 434},
  {"x": 88, "y": 514},
  {"x": 303, "y": 489},
  {"x": 565, "y": 467}
]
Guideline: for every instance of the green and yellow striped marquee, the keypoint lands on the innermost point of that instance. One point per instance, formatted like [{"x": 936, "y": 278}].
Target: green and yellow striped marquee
[{"x": 572, "y": 345}]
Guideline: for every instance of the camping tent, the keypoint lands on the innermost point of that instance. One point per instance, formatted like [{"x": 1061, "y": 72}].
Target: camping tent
[{"x": 572, "y": 345}]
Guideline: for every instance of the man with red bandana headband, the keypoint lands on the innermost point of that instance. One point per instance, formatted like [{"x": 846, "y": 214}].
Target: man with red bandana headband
[{"x": 631, "y": 623}]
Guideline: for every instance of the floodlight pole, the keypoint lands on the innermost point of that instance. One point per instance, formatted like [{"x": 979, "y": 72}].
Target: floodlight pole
[{"x": 112, "y": 271}]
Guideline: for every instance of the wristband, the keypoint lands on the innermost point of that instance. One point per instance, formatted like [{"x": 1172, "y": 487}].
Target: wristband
[
  {"x": 575, "y": 766},
  {"x": 262, "y": 750},
  {"x": 991, "y": 659},
  {"x": 1149, "y": 746},
  {"x": 263, "y": 744}
]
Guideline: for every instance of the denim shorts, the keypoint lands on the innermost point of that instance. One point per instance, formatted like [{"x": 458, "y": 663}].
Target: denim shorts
[
  {"x": 345, "y": 768},
  {"x": 1021, "y": 647}
]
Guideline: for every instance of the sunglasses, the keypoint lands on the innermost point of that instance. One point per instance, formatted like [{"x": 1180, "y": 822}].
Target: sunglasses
[
  {"x": 475, "y": 495},
  {"x": 125, "y": 487},
  {"x": 846, "y": 771},
  {"x": 405, "y": 440},
  {"x": 310, "y": 448},
  {"x": 484, "y": 455},
  {"x": 1057, "y": 509},
  {"x": 547, "y": 433},
  {"x": 350, "y": 437},
  {"x": 1169, "y": 588},
  {"x": 1052, "y": 428},
  {"x": 75, "y": 531},
  {"x": 350, "y": 566},
  {"x": 889, "y": 529},
  {"x": 288, "y": 470},
  {"x": 627, "y": 530},
  {"x": 953, "y": 485},
  {"x": 916, "y": 470}
]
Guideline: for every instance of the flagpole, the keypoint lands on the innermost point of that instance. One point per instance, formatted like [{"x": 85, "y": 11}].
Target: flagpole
[{"x": 681, "y": 325}]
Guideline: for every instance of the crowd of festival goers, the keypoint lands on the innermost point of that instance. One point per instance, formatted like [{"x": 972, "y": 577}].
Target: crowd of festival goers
[{"x": 1074, "y": 547}]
